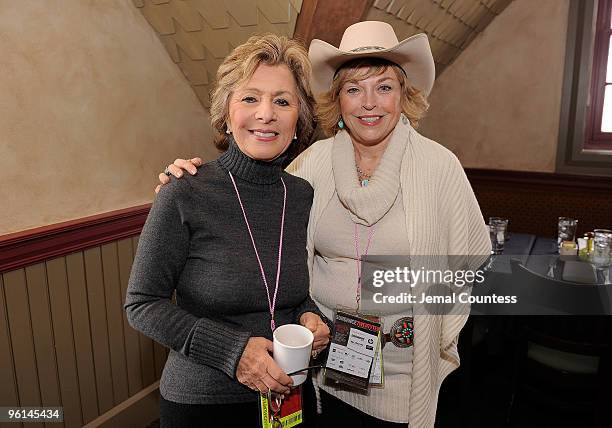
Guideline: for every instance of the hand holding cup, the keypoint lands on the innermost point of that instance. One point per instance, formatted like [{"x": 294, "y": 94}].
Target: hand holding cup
[{"x": 257, "y": 370}]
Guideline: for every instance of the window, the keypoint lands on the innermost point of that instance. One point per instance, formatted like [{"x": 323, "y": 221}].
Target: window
[
  {"x": 585, "y": 131},
  {"x": 599, "y": 123}
]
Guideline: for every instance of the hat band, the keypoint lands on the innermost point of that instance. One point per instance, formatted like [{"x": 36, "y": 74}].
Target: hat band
[
  {"x": 368, "y": 48},
  {"x": 340, "y": 67}
]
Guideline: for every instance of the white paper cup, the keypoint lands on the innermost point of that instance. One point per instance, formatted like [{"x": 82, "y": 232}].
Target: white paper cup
[{"x": 291, "y": 349}]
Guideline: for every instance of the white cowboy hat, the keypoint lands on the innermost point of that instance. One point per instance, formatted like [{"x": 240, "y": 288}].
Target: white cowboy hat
[{"x": 373, "y": 39}]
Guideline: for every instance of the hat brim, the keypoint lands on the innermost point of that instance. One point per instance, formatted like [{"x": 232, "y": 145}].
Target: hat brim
[{"x": 412, "y": 54}]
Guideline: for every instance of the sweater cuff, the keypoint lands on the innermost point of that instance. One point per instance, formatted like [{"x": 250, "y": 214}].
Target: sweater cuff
[
  {"x": 308, "y": 305},
  {"x": 215, "y": 345},
  {"x": 314, "y": 309}
]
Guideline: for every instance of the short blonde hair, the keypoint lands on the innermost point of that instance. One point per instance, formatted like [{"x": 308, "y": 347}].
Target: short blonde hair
[
  {"x": 413, "y": 103},
  {"x": 239, "y": 66}
]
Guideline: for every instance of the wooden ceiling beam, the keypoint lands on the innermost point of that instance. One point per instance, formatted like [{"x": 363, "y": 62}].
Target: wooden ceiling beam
[{"x": 327, "y": 20}]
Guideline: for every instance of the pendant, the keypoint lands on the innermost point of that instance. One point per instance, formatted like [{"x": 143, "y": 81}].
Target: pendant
[
  {"x": 364, "y": 182},
  {"x": 402, "y": 332}
]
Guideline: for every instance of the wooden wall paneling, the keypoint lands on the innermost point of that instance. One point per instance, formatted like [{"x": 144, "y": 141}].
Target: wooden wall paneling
[
  {"x": 79, "y": 311},
  {"x": 57, "y": 278},
  {"x": 42, "y": 332},
  {"x": 8, "y": 393},
  {"x": 139, "y": 410},
  {"x": 18, "y": 311},
  {"x": 99, "y": 327},
  {"x": 114, "y": 315},
  {"x": 132, "y": 347}
]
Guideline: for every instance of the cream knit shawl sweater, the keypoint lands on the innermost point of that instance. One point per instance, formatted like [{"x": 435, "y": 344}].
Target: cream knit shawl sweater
[{"x": 442, "y": 218}]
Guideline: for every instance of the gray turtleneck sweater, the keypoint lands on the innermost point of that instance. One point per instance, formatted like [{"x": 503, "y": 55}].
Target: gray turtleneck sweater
[{"x": 195, "y": 242}]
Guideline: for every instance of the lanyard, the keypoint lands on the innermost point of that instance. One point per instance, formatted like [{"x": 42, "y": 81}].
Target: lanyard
[
  {"x": 358, "y": 255},
  {"x": 271, "y": 301}
]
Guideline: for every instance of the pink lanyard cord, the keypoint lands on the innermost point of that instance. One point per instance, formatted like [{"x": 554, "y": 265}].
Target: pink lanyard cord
[
  {"x": 358, "y": 255},
  {"x": 271, "y": 302}
]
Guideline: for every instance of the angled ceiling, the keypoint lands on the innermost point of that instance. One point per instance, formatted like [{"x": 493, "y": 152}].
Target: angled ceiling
[
  {"x": 450, "y": 24},
  {"x": 198, "y": 34}
]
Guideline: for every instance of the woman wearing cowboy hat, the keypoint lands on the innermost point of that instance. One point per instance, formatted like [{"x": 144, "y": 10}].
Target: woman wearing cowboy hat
[{"x": 381, "y": 188}]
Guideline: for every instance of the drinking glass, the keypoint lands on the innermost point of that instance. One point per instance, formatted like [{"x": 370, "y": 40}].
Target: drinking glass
[
  {"x": 602, "y": 253},
  {"x": 498, "y": 229},
  {"x": 566, "y": 229}
]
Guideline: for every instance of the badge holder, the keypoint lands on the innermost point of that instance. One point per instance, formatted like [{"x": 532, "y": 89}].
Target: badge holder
[
  {"x": 278, "y": 412},
  {"x": 377, "y": 374},
  {"x": 353, "y": 351}
]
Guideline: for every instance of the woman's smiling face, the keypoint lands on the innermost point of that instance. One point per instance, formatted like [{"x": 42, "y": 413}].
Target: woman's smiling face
[
  {"x": 263, "y": 112},
  {"x": 371, "y": 107}
]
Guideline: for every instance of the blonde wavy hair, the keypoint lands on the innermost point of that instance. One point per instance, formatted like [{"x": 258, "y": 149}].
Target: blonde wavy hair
[
  {"x": 413, "y": 103},
  {"x": 239, "y": 66}
]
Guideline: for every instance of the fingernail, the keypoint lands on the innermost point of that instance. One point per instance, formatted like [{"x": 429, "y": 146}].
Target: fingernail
[
  {"x": 193, "y": 171},
  {"x": 179, "y": 174}
]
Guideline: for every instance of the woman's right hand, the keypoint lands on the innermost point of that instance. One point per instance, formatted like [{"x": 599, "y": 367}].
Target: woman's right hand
[
  {"x": 257, "y": 369},
  {"x": 176, "y": 169}
]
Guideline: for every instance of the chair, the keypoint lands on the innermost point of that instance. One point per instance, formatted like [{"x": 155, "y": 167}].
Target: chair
[{"x": 563, "y": 361}]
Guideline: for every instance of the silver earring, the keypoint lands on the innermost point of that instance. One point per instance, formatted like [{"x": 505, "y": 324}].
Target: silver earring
[
  {"x": 227, "y": 130},
  {"x": 295, "y": 136},
  {"x": 404, "y": 119},
  {"x": 341, "y": 124}
]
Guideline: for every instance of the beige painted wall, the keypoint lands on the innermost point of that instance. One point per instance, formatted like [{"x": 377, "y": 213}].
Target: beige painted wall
[
  {"x": 91, "y": 109},
  {"x": 497, "y": 106}
]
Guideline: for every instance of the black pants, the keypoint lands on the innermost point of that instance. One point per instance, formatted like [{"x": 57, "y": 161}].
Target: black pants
[
  {"x": 336, "y": 413},
  {"x": 177, "y": 415}
]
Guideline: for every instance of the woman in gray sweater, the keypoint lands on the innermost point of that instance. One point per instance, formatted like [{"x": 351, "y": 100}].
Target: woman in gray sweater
[{"x": 230, "y": 244}]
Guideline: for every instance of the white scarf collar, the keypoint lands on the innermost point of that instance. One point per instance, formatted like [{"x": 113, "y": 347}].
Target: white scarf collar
[{"x": 367, "y": 205}]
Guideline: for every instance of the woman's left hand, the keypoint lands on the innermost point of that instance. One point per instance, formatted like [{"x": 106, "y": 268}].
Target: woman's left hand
[{"x": 320, "y": 330}]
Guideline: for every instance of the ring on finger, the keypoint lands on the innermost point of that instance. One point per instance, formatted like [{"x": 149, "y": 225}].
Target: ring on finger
[{"x": 167, "y": 172}]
